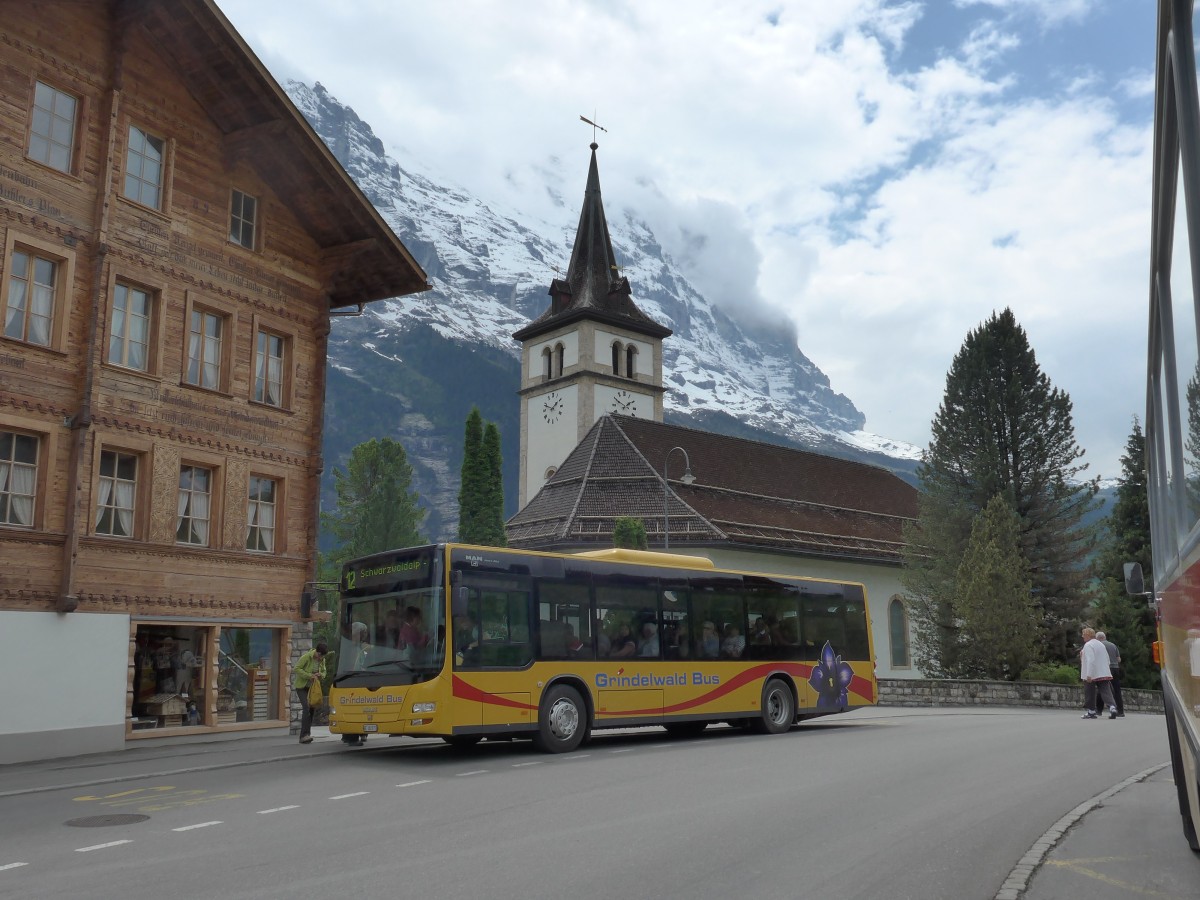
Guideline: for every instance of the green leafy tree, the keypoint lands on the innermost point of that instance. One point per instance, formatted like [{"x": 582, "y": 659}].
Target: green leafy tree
[
  {"x": 998, "y": 618},
  {"x": 376, "y": 508},
  {"x": 473, "y": 483},
  {"x": 630, "y": 533},
  {"x": 1001, "y": 429},
  {"x": 1128, "y": 621}
]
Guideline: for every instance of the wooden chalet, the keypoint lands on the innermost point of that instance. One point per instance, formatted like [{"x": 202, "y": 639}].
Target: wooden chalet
[{"x": 175, "y": 240}]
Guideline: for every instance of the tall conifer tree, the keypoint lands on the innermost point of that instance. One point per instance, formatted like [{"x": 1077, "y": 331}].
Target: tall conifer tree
[
  {"x": 492, "y": 513},
  {"x": 472, "y": 486},
  {"x": 1128, "y": 621},
  {"x": 1001, "y": 429}
]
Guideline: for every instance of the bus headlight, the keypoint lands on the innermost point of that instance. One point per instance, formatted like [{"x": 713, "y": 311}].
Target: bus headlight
[{"x": 424, "y": 707}]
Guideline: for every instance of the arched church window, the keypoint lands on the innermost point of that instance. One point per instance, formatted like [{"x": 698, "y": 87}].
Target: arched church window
[
  {"x": 546, "y": 364},
  {"x": 898, "y": 632},
  {"x": 558, "y": 360},
  {"x": 630, "y": 361},
  {"x": 616, "y": 357}
]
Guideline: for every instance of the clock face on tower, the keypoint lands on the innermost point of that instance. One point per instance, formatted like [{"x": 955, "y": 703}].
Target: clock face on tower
[
  {"x": 552, "y": 407},
  {"x": 625, "y": 403}
]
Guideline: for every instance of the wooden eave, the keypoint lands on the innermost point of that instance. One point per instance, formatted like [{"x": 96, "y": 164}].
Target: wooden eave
[{"x": 361, "y": 258}]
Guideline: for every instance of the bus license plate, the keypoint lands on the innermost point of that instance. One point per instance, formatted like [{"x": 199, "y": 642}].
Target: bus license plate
[{"x": 370, "y": 728}]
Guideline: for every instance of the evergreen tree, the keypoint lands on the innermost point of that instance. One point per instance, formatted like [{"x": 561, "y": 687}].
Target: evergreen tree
[
  {"x": 1001, "y": 429},
  {"x": 473, "y": 484},
  {"x": 1128, "y": 621},
  {"x": 376, "y": 510},
  {"x": 630, "y": 533},
  {"x": 998, "y": 631},
  {"x": 492, "y": 512}
]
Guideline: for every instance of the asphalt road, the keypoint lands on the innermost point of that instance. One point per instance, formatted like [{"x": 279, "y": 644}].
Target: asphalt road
[{"x": 882, "y": 803}]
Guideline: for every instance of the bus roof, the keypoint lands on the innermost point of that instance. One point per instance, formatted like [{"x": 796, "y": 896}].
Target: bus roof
[{"x": 649, "y": 557}]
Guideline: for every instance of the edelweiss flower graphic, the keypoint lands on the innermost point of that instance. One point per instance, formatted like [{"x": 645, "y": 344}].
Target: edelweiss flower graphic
[{"x": 830, "y": 678}]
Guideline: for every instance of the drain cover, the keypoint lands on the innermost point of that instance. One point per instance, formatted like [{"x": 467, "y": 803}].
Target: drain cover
[{"x": 102, "y": 821}]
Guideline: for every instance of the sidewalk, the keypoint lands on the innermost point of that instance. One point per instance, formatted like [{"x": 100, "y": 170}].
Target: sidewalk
[
  {"x": 1125, "y": 843},
  {"x": 166, "y": 756}
]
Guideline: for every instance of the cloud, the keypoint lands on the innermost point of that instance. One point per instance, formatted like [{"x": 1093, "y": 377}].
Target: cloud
[{"x": 884, "y": 174}]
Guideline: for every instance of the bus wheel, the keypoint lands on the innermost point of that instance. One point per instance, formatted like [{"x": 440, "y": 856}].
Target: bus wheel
[
  {"x": 778, "y": 708},
  {"x": 462, "y": 741},
  {"x": 562, "y": 720}
]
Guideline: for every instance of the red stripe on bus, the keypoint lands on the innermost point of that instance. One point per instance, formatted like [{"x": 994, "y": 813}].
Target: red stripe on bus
[{"x": 858, "y": 685}]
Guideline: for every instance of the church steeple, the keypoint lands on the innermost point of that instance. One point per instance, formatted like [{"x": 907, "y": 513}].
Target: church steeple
[
  {"x": 592, "y": 353},
  {"x": 594, "y": 287}
]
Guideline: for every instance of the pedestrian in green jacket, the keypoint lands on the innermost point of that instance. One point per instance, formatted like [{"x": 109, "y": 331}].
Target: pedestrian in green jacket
[{"x": 311, "y": 665}]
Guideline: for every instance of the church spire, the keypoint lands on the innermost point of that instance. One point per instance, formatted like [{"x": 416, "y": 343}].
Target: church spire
[{"x": 594, "y": 287}]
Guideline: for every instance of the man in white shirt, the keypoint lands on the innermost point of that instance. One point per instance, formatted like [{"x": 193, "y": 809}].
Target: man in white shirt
[{"x": 1096, "y": 675}]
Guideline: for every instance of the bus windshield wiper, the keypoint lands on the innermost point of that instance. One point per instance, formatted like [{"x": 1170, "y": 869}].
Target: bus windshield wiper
[{"x": 389, "y": 662}]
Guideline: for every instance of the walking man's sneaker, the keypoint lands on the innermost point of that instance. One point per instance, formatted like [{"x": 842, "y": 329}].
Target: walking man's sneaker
[
  {"x": 307, "y": 739},
  {"x": 1088, "y": 715},
  {"x": 1112, "y": 712}
]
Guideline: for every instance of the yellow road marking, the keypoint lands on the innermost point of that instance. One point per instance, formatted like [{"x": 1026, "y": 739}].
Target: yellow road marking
[{"x": 1081, "y": 867}]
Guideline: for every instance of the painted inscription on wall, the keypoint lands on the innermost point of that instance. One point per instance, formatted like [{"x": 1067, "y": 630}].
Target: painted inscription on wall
[{"x": 11, "y": 184}]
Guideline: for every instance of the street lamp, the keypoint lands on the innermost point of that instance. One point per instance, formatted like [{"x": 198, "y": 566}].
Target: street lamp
[{"x": 687, "y": 478}]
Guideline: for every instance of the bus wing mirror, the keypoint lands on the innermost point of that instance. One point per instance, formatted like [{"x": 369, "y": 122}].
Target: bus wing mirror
[
  {"x": 1134, "y": 583},
  {"x": 458, "y": 594},
  {"x": 458, "y": 601}
]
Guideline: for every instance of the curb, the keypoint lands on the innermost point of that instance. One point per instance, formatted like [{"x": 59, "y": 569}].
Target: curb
[{"x": 1018, "y": 879}]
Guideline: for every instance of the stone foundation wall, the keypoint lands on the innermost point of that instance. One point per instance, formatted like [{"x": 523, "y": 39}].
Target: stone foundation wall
[{"x": 958, "y": 692}]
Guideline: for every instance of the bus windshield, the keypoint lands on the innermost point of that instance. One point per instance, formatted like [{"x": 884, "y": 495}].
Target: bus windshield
[{"x": 391, "y": 623}]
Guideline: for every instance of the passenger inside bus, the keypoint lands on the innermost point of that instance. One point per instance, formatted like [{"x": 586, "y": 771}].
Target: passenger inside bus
[
  {"x": 623, "y": 643},
  {"x": 710, "y": 642},
  {"x": 734, "y": 643},
  {"x": 648, "y": 645}
]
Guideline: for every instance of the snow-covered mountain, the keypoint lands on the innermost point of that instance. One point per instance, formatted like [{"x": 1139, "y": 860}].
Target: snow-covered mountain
[{"x": 490, "y": 267}]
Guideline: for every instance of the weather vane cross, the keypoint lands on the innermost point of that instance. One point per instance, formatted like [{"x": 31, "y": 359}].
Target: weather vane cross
[{"x": 594, "y": 126}]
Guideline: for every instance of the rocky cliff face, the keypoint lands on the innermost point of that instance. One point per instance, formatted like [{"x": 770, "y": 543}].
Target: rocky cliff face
[{"x": 412, "y": 367}]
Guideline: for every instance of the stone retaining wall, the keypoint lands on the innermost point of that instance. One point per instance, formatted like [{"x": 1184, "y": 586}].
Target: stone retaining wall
[{"x": 960, "y": 692}]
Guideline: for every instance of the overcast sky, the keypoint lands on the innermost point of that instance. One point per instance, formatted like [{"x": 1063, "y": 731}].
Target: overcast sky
[{"x": 884, "y": 174}]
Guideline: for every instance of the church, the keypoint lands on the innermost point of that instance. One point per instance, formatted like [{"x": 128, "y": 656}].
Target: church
[{"x": 595, "y": 448}]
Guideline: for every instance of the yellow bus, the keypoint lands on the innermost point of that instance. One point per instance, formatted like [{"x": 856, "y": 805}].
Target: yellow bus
[{"x": 463, "y": 643}]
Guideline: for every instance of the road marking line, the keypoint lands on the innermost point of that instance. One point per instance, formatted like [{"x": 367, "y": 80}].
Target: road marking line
[
  {"x": 536, "y": 762},
  {"x": 578, "y": 756},
  {"x": 415, "y": 783},
  {"x": 193, "y": 827},
  {"x": 476, "y": 772},
  {"x": 263, "y": 812},
  {"x": 344, "y": 796},
  {"x": 625, "y": 750},
  {"x": 12, "y": 866},
  {"x": 101, "y": 846}
]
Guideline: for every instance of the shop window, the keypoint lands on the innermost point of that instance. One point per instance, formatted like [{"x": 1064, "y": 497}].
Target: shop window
[
  {"x": 248, "y": 675},
  {"x": 117, "y": 493},
  {"x": 130, "y": 327},
  {"x": 243, "y": 214},
  {"x": 52, "y": 127},
  {"x": 260, "y": 514},
  {"x": 18, "y": 477},
  {"x": 145, "y": 167},
  {"x": 170, "y": 676},
  {"x": 194, "y": 505}
]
